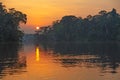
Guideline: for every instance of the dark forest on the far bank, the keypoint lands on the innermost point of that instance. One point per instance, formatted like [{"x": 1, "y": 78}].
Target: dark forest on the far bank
[{"x": 105, "y": 26}]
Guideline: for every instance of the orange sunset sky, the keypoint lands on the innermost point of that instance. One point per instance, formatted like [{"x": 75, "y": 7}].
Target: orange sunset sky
[{"x": 44, "y": 12}]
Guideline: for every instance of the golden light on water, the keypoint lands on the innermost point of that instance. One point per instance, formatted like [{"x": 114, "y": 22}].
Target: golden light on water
[{"x": 37, "y": 54}]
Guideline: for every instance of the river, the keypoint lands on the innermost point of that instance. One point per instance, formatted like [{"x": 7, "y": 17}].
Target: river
[{"x": 68, "y": 61}]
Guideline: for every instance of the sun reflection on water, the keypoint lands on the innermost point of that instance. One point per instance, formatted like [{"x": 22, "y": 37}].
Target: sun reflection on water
[{"x": 37, "y": 54}]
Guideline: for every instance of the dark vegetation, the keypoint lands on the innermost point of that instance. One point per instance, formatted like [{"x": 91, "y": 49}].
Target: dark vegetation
[
  {"x": 105, "y": 26},
  {"x": 10, "y": 19}
]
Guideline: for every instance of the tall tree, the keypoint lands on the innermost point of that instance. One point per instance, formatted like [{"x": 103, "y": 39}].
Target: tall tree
[{"x": 10, "y": 19}]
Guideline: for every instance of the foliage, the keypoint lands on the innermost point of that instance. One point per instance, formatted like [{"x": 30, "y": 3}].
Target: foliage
[
  {"x": 10, "y": 19},
  {"x": 105, "y": 26}
]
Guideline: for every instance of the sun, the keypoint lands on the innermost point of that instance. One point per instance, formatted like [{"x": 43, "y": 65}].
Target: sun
[{"x": 37, "y": 28}]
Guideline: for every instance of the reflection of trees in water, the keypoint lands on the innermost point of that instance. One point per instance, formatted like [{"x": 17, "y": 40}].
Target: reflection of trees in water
[
  {"x": 106, "y": 56},
  {"x": 10, "y": 61},
  {"x": 104, "y": 64}
]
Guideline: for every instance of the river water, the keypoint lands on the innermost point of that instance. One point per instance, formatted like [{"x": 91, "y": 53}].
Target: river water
[{"x": 60, "y": 61}]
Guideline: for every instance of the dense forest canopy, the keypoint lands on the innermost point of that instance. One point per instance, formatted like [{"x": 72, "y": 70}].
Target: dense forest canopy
[
  {"x": 105, "y": 26},
  {"x": 10, "y": 20}
]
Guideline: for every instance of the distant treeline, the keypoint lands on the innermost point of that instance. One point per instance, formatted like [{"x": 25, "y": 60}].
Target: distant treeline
[
  {"x": 105, "y": 26},
  {"x": 10, "y": 20}
]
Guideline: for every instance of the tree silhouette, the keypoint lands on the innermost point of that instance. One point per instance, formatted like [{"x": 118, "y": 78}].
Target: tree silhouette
[
  {"x": 10, "y": 20},
  {"x": 105, "y": 26}
]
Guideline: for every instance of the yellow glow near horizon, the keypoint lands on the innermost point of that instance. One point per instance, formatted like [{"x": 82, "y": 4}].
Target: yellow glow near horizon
[
  {"x": 37, "y": 28},
  {"x": 44, "y": 12},
  {"x": 37, "y": 54}
]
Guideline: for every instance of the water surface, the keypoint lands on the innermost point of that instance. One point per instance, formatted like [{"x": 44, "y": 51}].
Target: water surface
[{"x": 60, "y": 61}]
